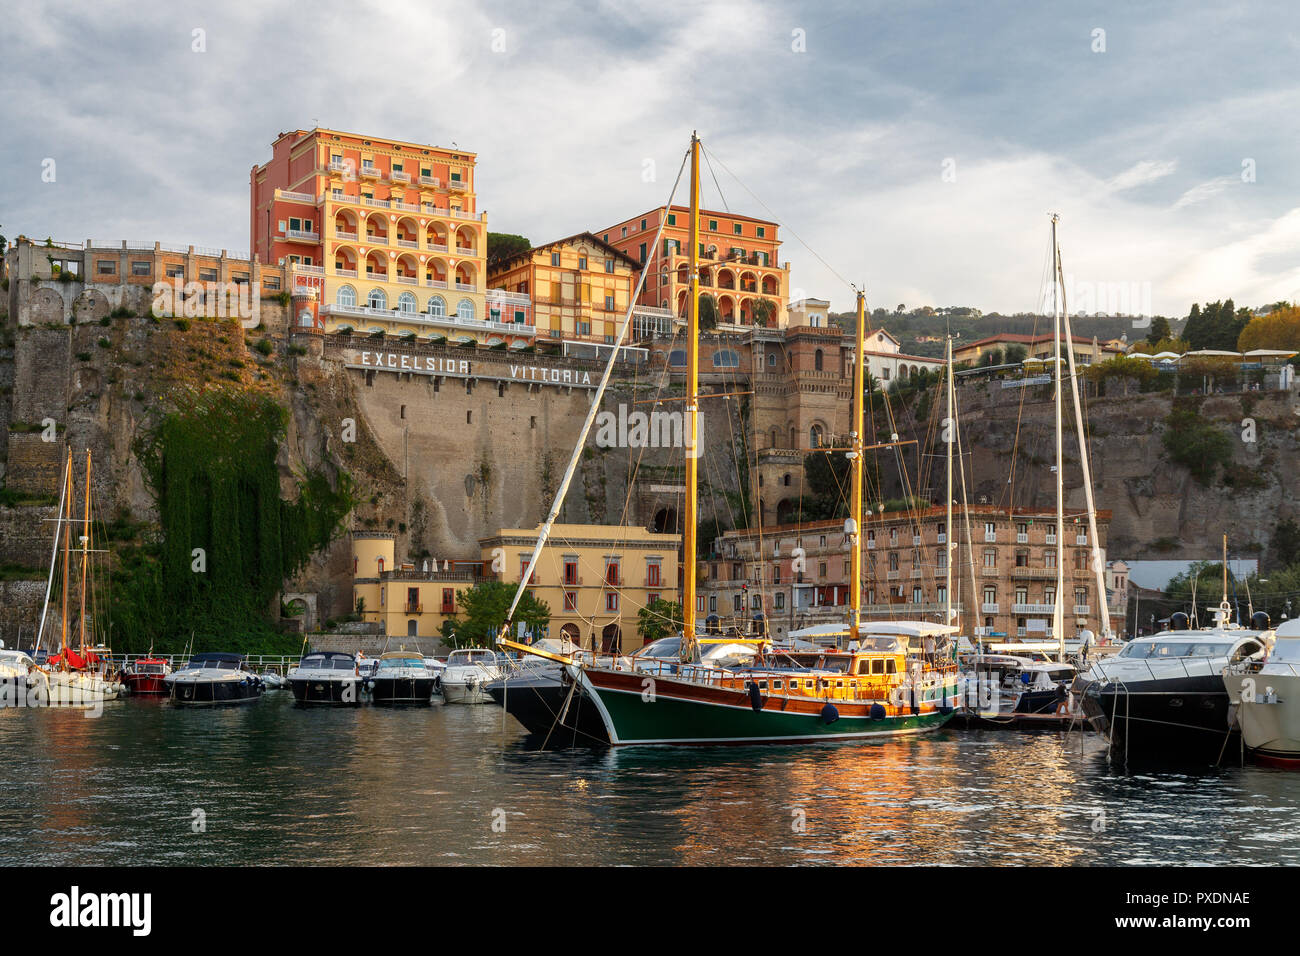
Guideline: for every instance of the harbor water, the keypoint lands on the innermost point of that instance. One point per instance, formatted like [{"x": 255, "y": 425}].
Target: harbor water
[{"x": 147, "y": 783}]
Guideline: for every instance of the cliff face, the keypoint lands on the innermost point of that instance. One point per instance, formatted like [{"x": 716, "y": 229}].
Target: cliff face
[{"x": 1159, "y": 509}]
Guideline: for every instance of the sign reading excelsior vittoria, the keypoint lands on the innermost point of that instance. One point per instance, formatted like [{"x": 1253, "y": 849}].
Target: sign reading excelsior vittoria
[{"x": 464, "y": 368}]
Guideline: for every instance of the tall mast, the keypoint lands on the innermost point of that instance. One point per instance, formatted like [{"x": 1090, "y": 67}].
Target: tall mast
[
  {"x": 1098, "y": 566},
  {"x": 85, "y": 556},
  {"x": 949, "y": 438},
  {"x": 855, "y": 440},
  {"x": 67, "y": 548},
  {"x": 689, "y": 647},
  {"x": 1058, "y": 616}
]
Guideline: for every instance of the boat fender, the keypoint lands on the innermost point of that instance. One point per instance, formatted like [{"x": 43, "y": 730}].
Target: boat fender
[
  {"x": 756, "y": 697},
  {"x": 877, "y": 712},
  {"x": 830, "y": 714}
]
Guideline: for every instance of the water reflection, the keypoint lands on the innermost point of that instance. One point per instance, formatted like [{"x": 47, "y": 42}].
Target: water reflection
[{"x": 374, "y": 786}]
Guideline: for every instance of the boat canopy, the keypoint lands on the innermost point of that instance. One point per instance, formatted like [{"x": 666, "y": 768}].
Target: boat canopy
[{"x": 215, "y": 657}]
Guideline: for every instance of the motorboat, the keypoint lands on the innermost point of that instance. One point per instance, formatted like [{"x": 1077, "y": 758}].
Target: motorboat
[
  {"x": 326, "y": 677},
  {"x": 22, "y": 683},
  {"x": 1265, "y": 696},
  {"x": 401, "y": 677},
  {"x": 274, "y": 680},
  {"x": 1163, "y": 697},
  {"x": 467, "y": 674},
  {"x": 147, "y": 676},
  {"x": 213, "y": 678},
  {"x": 536, "y": 692},
  {"x": 1007, "y": 691}
]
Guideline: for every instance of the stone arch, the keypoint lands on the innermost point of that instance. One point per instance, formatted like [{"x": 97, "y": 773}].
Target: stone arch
[
  {"x": 666, "y": 521},
  {"x": 47, "y": 306},
  {"x": 611, "y": 638},
  {"x": 308, "y": 603},
  {"x": 91, "y": 306}
]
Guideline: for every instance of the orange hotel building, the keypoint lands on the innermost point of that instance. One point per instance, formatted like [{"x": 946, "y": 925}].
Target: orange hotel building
[
  {"x": 739, "y": 261},
  {"x": 387, "y": 233}
]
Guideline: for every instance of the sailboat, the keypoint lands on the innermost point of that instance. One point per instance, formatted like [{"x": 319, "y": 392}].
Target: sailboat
[
  {"x": 873, "y": 689},
  {"x": 82, "y": 676}
]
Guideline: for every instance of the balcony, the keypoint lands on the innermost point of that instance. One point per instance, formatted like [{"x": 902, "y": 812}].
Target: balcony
[
  {"x": 338, "y": 166},
  {"x": 943, "y": 538},
  {"x": 408, "y": 206},
  {"x": 371, "y": 172},
  {"x": 377, "y": 203},
  {"x": 309, "y": 270},
  {"x": 425, "y": 318},
  {"x": 345, "y": 273},
  {"x": 987, "y": 608},
  {"x": 430, "y": 181},
  {"x": 989, "y": 572},
  {"x": 408, "y": 243},
  {"x": 990, "y": 537},
  {"x": 458, "y": 185},
  {"x": 414, "y": 608},
  {"x": 296, "y": 197},
  {"x": 1022, "y": 537},
  {"x": 891, "y": 575},
  {"x": 408, "y": 280},
  {"x": 398, "y": 176},
  {"x": 1081, "y": 540},
  {"x": 916, "y": 539},
  {"x": 302, "y": 235},
  {"x": 344, "y": 234},
  {"x": 1051, "y": 537},
  {"x": 871, "y": 544},
  {"x": 436, "y": 283},
  {"x": 377, "y": 240},
  {"x": 917, "y": 572},
  {"x": 466, "y": 287},
  {"x": 1083, "y": 610},
  {"x": 437, "y": 247},
  {"x": 1035, "y": 574},
  {"x": 1033, "y": 609}
]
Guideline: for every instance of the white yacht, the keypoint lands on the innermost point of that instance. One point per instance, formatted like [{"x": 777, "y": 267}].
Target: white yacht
[
  {"x": 326, "y": 677},
  {"x": 215, "y": 678},
  {"x": 467, "y": 674},
  {"x": 1265, "y": 699},
  {"x": 21, "y": 681}
]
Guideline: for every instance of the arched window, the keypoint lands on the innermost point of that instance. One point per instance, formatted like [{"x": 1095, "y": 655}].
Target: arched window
[
  {"x": 815, "y": 434},
  {"x": 677, "y": 358},
  {"x": 464, "y": 309},
  {"x": 346, "y": 295},
  {"x": 771, "y": 360},
  {"x": 817, "y": 364},
  {"x": 406, "y": 302},
  {"x": 377, "y": 299},
  {"x": 437, "y": 305},
  {"x": 785, "y": 480},
  {"x": 726, "y": 358}
]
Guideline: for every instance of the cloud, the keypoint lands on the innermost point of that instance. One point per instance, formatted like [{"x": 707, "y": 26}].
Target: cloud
[
  {"x": 1203, "y": 191},
  {"x": 1140, "y": 174}
]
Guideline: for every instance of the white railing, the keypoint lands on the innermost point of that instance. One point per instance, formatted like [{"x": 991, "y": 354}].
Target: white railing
[
  {"x": 990, "y": 537},
  {"x": 408, "y": 280},
  {"x": 338, "y": 166},
  {"x": 916, "y": 539},
  {"x": 296, "y": 197},
  {"x": 1051, "y": 537},
  {"x": 409, "y": 207},
  {"x": 437, "y": 247},
  {"x": 466, "y": 287},
  {"x": 987, "y": 608},
  {"x": 424, "y": 318},
  {"x": 943, "y": 538},
  {"x": 1022, "y": 537},
  {"x": 310, "y": 270},
  {"x": 891, "y": 575},
  {"x": 342, "y": 234},
  {"x": 429, "y": 181},
  {"x": 458, "y": 185},
  {"x": 1083, "y": 609},
  {"x": 345, "y": 273},
  {"x": 380, "y": 203},
  {"x": 462, "y": 214},
  {"x": 372, "y": 171},
  {"x": 436, "y": 283},
  {"x": 377, "y": 240},
  {"x": 302, "y": 234},
  {"x": 398, "y": 176},
  {"x": 408, "y": 243},
  {"x": 1033, "y": 608},
  {"x": 1081, "y": 539}
]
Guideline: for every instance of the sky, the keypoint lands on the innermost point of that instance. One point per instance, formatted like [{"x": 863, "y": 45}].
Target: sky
[{"x": 913, "y": 148}]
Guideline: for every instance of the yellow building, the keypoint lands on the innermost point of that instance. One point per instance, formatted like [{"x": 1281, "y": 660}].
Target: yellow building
[
  {"x": 407, "y": 600},
  {"x": 580, "y": 287},
  {"x": 594, "y": 578}
]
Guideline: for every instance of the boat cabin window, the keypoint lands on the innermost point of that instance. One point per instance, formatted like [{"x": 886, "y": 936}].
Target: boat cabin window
[
  {"x": 776, "y": 685},
  {"x": 394, "y": 662},
  {"x": 1287, "y": 651},
  {"x": 878, "y": 666},
  {"x": 891, "y": 666},
  {"x": 1246, "y": 650},
  {"x": 1170, "y": 649}
]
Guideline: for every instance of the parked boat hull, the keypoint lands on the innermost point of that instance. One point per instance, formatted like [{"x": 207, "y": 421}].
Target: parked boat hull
[
  {"x": 1173, "y": 719},
  {"x": 313, "y": 690},
  {"x": 1270, "y": 725},
  {"x": 201, "y": 693},
  {"x": 684, "y": 713},
  {"x": 402, "y": 690},
  {"x": 538, "y": 702},
  {"x": 145, "y": 685}
]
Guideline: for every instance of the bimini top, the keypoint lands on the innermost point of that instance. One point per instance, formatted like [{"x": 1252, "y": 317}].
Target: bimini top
[
  {"x": 898, "y": 628},
  {"x": 330, "y": 655},
  {"x": 215, "y": 657}
]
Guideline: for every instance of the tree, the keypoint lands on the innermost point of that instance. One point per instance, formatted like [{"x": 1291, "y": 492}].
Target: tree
[
  {"x": 1159, "y": 330},
  {"x": 660, "y": 619},
  {"x": 1286, "y": 542},
  {"x": 1279, "y": 329},
  {"x": 764, "y": 311},
  {"x": 485, "y": 606},
  {"x": 1016, "y": 354},
  {"x": 504, "y": 245},
  {"x": 708, "y": 312}
]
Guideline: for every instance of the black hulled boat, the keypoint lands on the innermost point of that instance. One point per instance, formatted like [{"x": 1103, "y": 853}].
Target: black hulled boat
[{"x": 326, "y": 677}]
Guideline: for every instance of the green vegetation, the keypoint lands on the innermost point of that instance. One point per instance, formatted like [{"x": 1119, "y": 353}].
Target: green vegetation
[
  {"x": 485, "y": 606},
  {"x": 264, "y": 346},
  {"x": 660, "y": 619},
  {"x": 504, "y": 245},
  {"x": 227, "y": 539},
  {"x": 1216, "y": 325},
  {"x": 1197, "y": 444}
]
